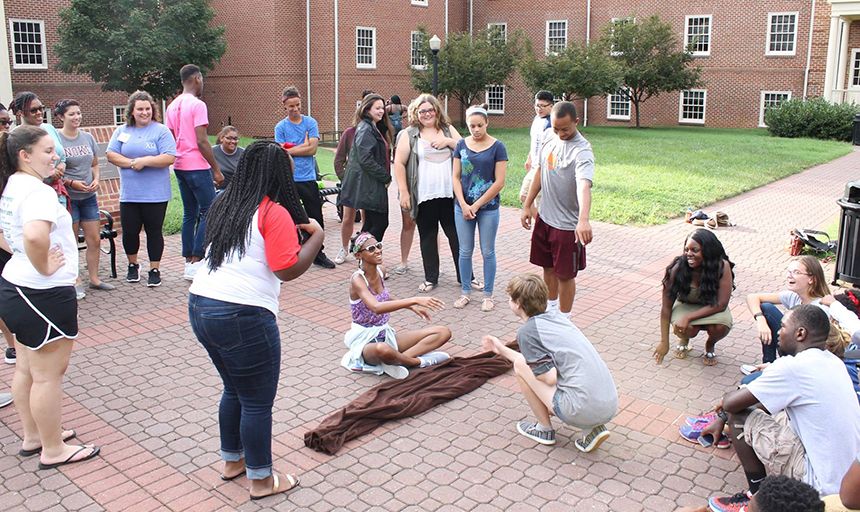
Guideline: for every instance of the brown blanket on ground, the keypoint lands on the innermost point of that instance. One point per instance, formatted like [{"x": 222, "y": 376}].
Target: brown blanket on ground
[{"x": 403, "y": 398}]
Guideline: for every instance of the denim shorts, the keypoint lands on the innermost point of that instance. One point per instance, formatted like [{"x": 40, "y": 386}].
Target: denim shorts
[
  {"x": 557, "y": 409},
  {"x": 85, "y": 209}
]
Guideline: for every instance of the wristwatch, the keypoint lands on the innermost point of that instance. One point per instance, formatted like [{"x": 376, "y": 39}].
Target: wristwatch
[
  {"x": 722, "y": 415},
  {"x": 755, "y": 316}
]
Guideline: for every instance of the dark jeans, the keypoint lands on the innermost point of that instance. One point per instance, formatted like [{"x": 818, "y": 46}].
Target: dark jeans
[
  {"x": 245, "y": 346},
  {"x": 431, "y": 214},
  {"x": 774, "y": 319},
  {"x": 375, "y": 223},
  {"x": 309, "y": 193},
  {"x": 197, "y": 191},
  {"x": 149, "y": 216}
]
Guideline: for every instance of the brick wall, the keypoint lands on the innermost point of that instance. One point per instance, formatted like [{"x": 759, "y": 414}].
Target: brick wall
[{"x": 108, "y": 195}]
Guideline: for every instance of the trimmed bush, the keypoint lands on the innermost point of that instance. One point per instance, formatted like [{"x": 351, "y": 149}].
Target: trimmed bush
[{"x": 815, "y": 118}]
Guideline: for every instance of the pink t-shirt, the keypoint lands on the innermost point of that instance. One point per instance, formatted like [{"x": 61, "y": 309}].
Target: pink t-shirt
[{"x": 184, "y": 115}]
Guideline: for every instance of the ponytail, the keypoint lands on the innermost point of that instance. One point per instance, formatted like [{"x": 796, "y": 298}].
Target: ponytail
[{"x": 11, "y": 143}]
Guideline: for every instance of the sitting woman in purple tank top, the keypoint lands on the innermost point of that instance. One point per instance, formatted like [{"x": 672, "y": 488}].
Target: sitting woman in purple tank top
[{"x": 373, "y": 345}]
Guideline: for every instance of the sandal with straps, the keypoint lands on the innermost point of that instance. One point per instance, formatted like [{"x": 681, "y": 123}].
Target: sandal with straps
[
  {"x": 293, "y": 480},
  {"x": 462, "y": 302},
  {"x": 487, "y": 304},
  {"x": 681, "y": 351},
  {"x": 709, "y": 359}
]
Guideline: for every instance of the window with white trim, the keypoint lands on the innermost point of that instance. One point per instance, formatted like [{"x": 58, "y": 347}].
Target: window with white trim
[
  {"x": 495, "y": 95},
  {"x": 692, "y": 106},
  {"x": 29, "y": 50},
  {"x": 697, "y": 35},
  {"x": 556, "y": 36},
  {"x": 365, "y": 47},
  {"x": 46, "y": 115},
  {"x": 615, "y": 21},
  {"x": 781, "y": 33},
  {"x": 422, "y": 3},
  {"x": 418, "y": 59},
  {"x": 618, "y": 106},
  {"x": 119, "y": 115},
  {"x": 771, "y": 99},
  {"x": 502, "y": 31},
  {"x": 855, "y": 69}
]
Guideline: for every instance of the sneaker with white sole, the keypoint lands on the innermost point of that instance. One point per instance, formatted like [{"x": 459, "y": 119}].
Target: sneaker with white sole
[
  {"x": 532, "y": 431},
  {"x": 154, "y": 278},
  {"x": 433, "y": 358},
  {"x": 133, "y": 274},
  {"x": 395, "y": 371},
  {"x": 340, "y": 259},
  {"x": 737, "y": 503},
  {"x": 191, "y": 270},
  {"x": 747, "y": 369},
  {"x": 593, "y": 439},
  {"x": 5, "y": 399},
  {"x": 11, "y": 357}
]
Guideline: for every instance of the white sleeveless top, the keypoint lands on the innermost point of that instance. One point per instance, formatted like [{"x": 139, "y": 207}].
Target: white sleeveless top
[{"x": 434, "y": 172}]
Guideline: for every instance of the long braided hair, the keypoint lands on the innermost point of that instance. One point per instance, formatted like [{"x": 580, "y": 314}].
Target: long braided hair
[{"x": 264, "y": 169}]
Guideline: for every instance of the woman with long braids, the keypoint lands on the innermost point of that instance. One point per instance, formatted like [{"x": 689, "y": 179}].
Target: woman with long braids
[
  {"x": 696, "y": 291},
  {"x": 37, "y": 293},
  {"x": 253, "y": 245},
  {"x": 365, "y": 182}
]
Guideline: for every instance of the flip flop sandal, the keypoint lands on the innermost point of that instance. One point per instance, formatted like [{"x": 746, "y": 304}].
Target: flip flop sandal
[
  {"x": 401, "y": 270},
  {"x": 709, "y": 359},
  {"x": 427, "y": 287},
  {"x": 27, "y": 453},
  {"x": 681, "y": 351},
  {"x": 462, "y": 302},
  {"x": 477, "y": 284},
  {"x": 230, "y": 478},
  {"x": 95, "y": 450},
  {"x": 487, "y": 305},
  {"x": 276, "y": 484}
]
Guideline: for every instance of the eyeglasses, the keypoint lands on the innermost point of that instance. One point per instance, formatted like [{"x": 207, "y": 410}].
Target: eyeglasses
[
  {"x": 372, "y": 247},
  {"x": 231, "y": 138},
  {"x": 795, "y": 273},
  {"x": 543, "y": 105},
  {"x": 427, "y": 112},
  {"x": 5, "y": 123},
  {"x": 36, "y": 110}
]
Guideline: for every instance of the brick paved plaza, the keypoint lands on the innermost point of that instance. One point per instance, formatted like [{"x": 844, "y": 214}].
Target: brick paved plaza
[{"x": 141, "y": 386}]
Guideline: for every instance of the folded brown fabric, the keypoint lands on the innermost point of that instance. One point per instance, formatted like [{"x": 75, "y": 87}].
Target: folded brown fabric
[{"x": 395, "y": 399}]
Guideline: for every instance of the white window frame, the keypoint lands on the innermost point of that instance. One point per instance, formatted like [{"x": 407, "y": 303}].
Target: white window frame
[
  {"x": 412, "y": 50},
  {"x": 364, "y": 65},
  {"x": 44, "y": 44},
  {"x": 490, "y": 109},
  {"x": 546, "y": 42},
  {"x": 681, "y": 118},
  {"x": 612, "y": 31},
  {"x": 420, "y": 3},
  {"x": 855, "y": 69},
  {"x": 793, "y": 50},
  {"x": 761, "y": 123},
  {"x": 491, "y": 26},
  {"x": 616, "y": 117},
  {"x": 46, "y": 116},
  {"x": 688, "y": 35},
  {"x": 116, "y": 110}
]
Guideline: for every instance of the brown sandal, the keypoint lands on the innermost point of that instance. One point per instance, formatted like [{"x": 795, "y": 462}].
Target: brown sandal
[
  {"x": 681, "y": 351},
  {"x": 709, "y": 359}
]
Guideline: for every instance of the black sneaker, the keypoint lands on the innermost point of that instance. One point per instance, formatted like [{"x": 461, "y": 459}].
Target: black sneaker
[
  {"x": 531, "y": 431},
  {"x": 10, "y": 355},
  {"x": 154, "y": 278},
  {"x": 133, "y": 275},
  {"x": 323, "y": 261}
]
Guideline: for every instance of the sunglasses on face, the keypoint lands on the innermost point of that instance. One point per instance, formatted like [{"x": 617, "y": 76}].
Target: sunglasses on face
[
  {"x": 36, "y": 110},
  {"x": 3, "y": 122},
  {"x": 372, "y": 247}
]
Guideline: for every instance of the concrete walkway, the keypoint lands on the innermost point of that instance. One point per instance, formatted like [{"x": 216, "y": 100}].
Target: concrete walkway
[{"x": 141, "y": 386}]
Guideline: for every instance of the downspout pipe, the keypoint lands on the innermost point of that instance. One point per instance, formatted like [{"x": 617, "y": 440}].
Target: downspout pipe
[
  {"x": 808, "y": 50},
  {"x": 336, "y": 69},
  {"x": 308, "y": 49},
  {"x": 587, "y": 42}
]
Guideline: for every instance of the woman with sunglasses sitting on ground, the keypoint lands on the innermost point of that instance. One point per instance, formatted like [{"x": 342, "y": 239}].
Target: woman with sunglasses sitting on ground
[{"x": 373, "y": 345}]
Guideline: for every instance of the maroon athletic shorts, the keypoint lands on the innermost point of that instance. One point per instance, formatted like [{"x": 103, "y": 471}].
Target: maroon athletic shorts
[{"x": 558, "y": 249}]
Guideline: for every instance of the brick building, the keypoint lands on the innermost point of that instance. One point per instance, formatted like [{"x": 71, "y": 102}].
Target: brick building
[{"x": 752, "y": 53}]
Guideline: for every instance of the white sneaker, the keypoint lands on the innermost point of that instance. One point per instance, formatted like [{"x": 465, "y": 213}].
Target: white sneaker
[
  {"x": 340, "y": 259},
  {"x": 191, "y": 270},
  {"x": 396, "y": 371},
  {"x": 747, "y": 369},
  {"x": 433, "y": 358}
]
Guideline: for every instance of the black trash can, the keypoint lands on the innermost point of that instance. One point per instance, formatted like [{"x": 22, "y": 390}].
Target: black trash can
[
  {"x": 848, "y": 252},
  {"x": 856, "y": 131}
]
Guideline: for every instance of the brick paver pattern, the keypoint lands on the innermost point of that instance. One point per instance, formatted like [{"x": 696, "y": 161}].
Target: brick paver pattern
[{"x": 141, "y": 386}]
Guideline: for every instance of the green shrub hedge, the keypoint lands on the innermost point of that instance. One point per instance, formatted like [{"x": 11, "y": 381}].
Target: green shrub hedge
[{"x": 815, "y": 118}]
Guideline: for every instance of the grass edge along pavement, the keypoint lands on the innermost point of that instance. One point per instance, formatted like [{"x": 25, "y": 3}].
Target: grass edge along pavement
[{"x": 647, "y": 176}]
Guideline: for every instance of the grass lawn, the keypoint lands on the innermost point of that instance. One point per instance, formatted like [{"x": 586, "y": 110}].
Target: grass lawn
[{"x": 646, "y": 176}]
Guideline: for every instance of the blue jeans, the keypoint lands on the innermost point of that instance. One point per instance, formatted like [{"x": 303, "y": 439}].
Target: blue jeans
[
  {"x": 197, "y": 190},
  {"x": 774, "y": 319},
  {"x": 245, "y": 346},
  {"x": 85, "y": 210},
  {"x": 487, "y": 222}
]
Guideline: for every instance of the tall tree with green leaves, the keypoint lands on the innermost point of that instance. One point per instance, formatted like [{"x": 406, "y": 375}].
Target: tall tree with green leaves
[
  {"x": 128, "y": 45},
  {"x": 578, "y": 71},
  {"x": 651, "y": 57},
  {"x": 469, "y": 63}
]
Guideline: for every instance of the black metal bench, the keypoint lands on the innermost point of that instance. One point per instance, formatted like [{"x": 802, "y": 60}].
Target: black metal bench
[{"x": 107, "y": 232}]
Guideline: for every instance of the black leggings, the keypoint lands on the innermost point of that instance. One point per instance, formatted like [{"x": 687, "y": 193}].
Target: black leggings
[
  {"x": 431, "y": 214},
  {"x": 309, "y": 193},
  {"x": 375, "y": 223},
  {"x": 150, "y": 217}
]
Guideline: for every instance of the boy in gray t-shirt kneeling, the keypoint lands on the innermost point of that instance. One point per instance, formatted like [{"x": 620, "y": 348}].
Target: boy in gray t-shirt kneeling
[{"x": 558, "y": 369}]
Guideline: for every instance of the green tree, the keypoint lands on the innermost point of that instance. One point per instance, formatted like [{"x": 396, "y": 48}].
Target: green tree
[
  {"x": 651, "y": 58},
  {"x": 129, "y": 45},
  {"x": 578, "y": 71},
  {"x": 467, "y": 64}
]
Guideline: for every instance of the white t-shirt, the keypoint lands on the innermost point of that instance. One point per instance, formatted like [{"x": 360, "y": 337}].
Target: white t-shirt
[
  {"x": 816, "y": 392},
  {"x": 847, "y": 320},
  {"x": 26, "y": 199},
  {"x": 249, "y": 280},
  {"x": 789, "y": 299},
  {"x": 435, "y": 174},
  {"x": 539, "y": 124}
]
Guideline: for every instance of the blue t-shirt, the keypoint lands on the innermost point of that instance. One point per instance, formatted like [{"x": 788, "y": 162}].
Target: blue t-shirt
[
  {"x": 478, "y": 171},
  {"x": 150, "y": 184},
  {"x": 287, "y": 131}
]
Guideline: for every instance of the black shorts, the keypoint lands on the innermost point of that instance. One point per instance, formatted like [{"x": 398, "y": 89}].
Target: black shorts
[
  {"x": 4, "y": 259},
  {"x": 38, "y": 317}
]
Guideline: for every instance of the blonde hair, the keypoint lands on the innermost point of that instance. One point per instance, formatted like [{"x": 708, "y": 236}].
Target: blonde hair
[
  {"x": 819, "y": 287},
  {"x": 442, "y": 119},
  {"x": 530, "y": 292}
]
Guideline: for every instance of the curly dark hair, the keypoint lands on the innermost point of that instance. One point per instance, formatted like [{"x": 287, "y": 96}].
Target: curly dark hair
[
  {"x": 713, "y": 255},
  {"x": 781, "y": 493},
  {"x": 264, "y": 169}
]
